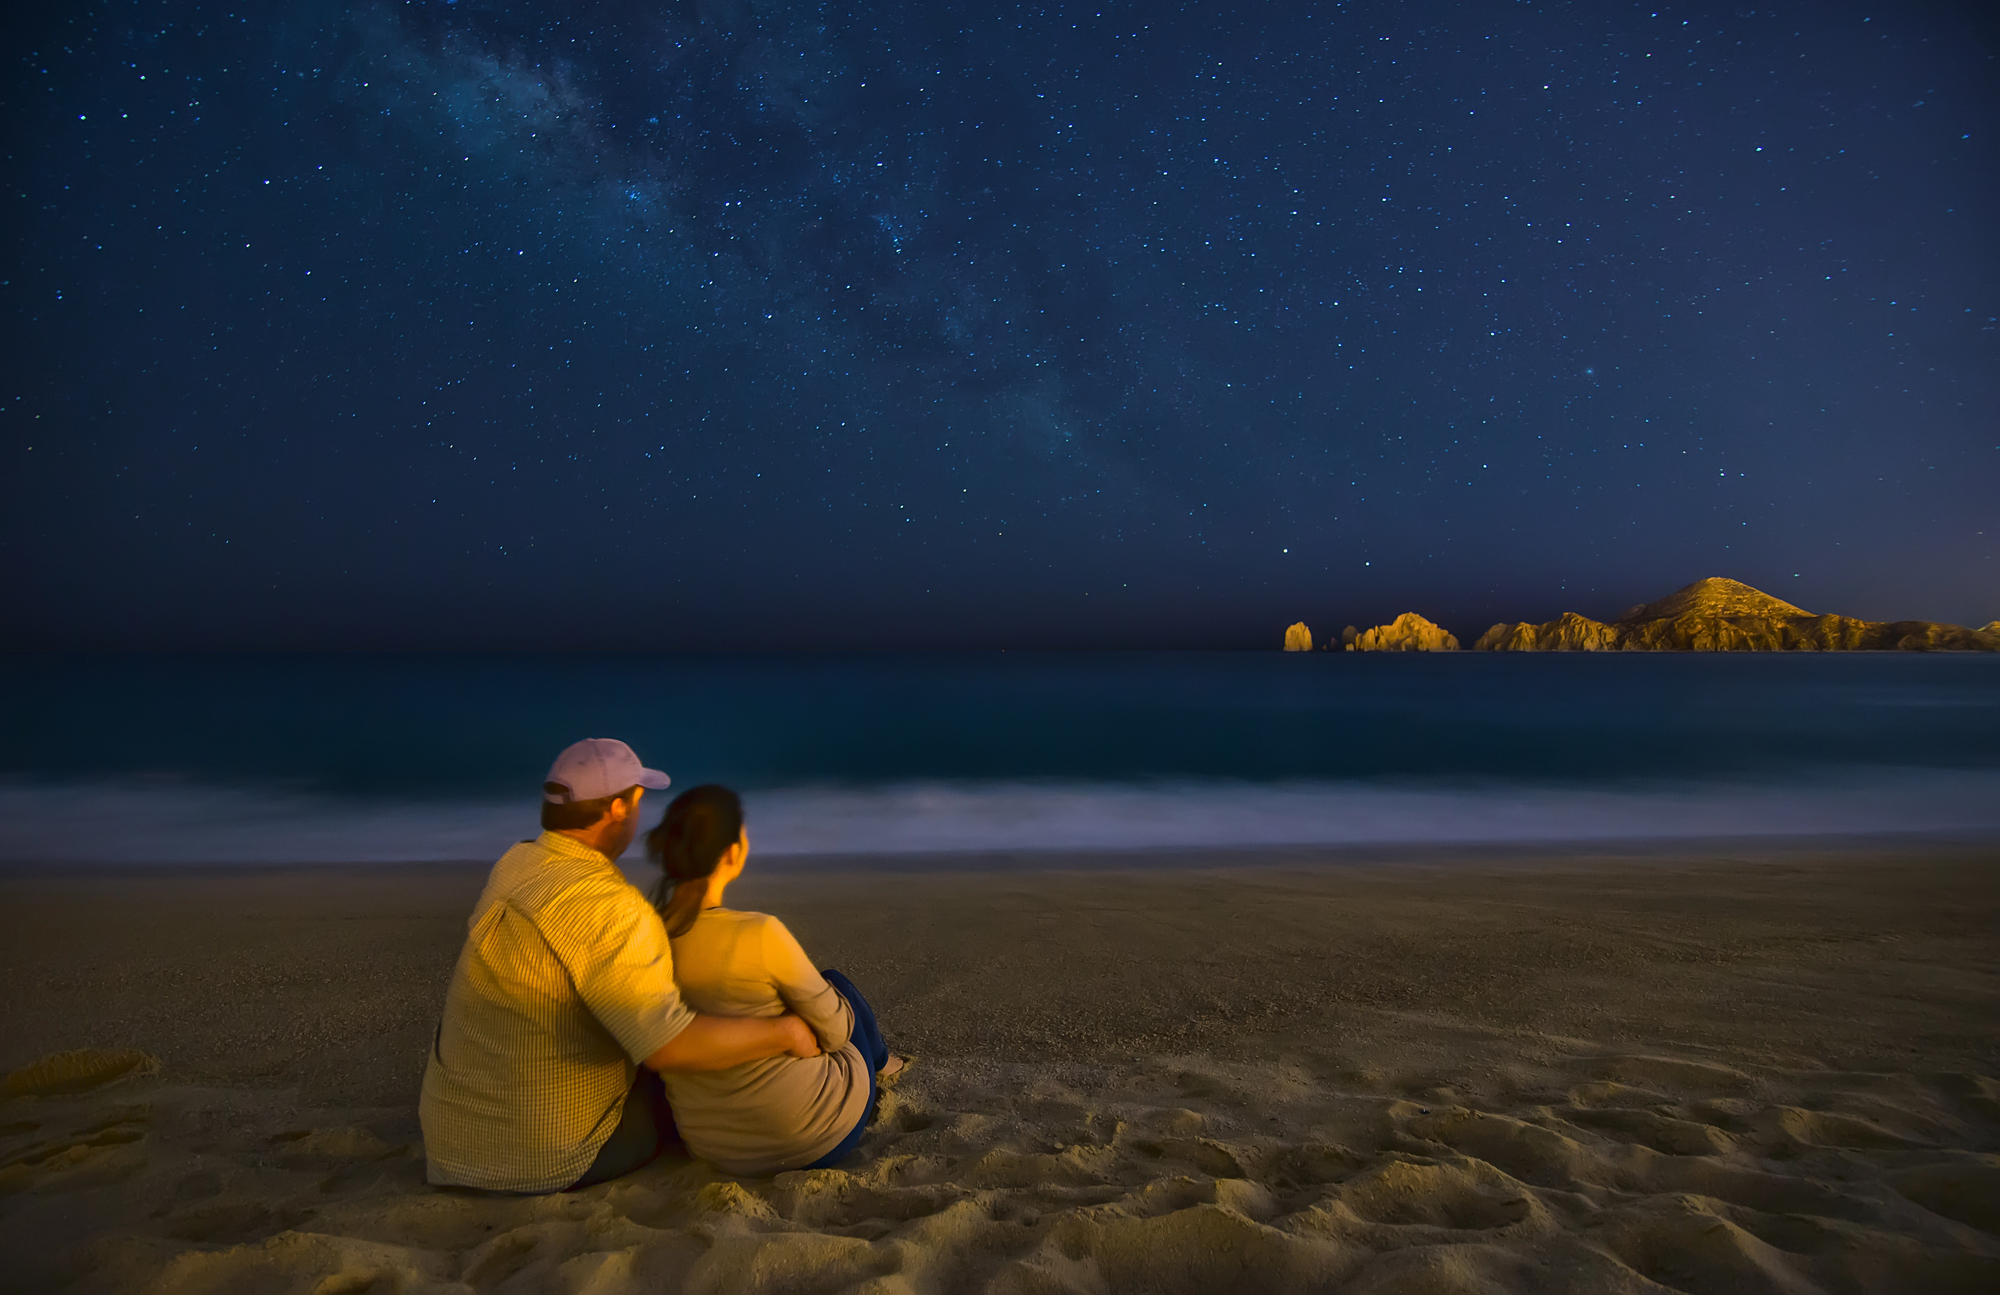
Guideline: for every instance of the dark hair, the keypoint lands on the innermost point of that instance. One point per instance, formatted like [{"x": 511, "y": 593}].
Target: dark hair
[
  {"x": 569, "y": 815},
  {"x": 699, "y": 827}
]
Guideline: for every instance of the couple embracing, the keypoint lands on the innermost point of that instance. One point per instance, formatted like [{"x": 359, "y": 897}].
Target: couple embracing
[{"x": 587, "y": 1027}]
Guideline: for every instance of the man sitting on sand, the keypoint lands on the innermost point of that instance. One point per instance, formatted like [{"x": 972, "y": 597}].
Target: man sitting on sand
[{"x": 563, "y": 1007}]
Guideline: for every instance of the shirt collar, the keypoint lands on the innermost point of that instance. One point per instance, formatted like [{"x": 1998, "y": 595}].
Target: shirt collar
[{"x": 571, "y": 848}]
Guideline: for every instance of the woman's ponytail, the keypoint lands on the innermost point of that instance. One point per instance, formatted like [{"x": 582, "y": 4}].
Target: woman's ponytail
[
  {"x": 682, "y": 906},
  {"x": 698, "y": 829}
]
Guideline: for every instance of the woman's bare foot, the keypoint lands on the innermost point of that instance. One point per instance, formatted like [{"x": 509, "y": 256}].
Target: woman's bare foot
[{"x": 891, "y": 1069}]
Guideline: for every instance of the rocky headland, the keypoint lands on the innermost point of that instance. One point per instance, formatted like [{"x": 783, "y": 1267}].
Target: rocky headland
[
  {"x": 1407, "y": 633},
  {"x": 1722, "y": 615},
  {"x": 1298, "y": 638}
]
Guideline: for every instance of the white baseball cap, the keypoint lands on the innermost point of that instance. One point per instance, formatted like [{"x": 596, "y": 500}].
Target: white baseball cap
[{"x": 598, "y": 766}]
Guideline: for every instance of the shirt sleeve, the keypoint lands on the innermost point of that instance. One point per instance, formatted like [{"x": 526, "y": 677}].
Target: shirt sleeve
[
  {"x": 804, "y": 990},
  {"x": 618, "y": 957}
]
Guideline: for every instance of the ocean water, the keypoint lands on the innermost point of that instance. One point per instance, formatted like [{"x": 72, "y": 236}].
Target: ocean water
[{"x": 382, "y": 757}]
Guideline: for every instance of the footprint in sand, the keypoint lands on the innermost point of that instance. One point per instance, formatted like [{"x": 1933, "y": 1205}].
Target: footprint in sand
[
  {"x": 1663, "y": 1133},
  {"x": 331, "y": 1148},
  {"x": 1527, "y": 1151},
  {"x": 1977, "y": 1094},
  {"x": 831, "y": 1198},
  {"x": 102, "y": 1147},
  {"x": 1207, "y": 1155},
  {"x": 231, "y": 1222},
  {"x": 1964, "y": 1188},
  {"x": 1686, "y": 1244},
  {"x": 1804, "y": 1128},
  {"x": 1311, "y": 1164},
  {"x": 1469, "y": 1197},
  {"x": 1670, "y": 1073},
  {"x": 63, "y": 1073}
]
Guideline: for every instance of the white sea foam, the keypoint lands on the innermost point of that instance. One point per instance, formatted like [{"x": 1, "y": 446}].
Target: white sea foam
[{"x": 181, "y": 824}]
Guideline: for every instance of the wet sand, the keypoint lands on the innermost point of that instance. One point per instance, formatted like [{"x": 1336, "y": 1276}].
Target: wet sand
[{"x": 1713, "y": 1068}]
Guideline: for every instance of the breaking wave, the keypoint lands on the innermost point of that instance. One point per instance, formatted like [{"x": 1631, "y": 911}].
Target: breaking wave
[{"x": 99, "y": 822}]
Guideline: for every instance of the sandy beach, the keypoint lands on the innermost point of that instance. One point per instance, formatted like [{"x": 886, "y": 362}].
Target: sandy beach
[{"x": 1717, "y": 1068}]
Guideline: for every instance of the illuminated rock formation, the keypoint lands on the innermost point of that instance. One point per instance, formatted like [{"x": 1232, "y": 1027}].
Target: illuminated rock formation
[
  {"x": 1298, "y": 638},
  {"x": 1407, "y": 633},
  {"x": 1719, "y": 615},
  {"x": 1569, "y": 633}
]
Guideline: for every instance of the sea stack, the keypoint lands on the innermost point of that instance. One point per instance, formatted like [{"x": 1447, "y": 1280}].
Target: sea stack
[
  {"x": 1723, "y": 615},
  {"x": 1407, "y": 633},
  {"x": 1298, "y": 638}
]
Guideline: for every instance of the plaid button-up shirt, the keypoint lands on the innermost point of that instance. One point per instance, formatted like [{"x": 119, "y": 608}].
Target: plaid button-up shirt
[{"x": 565, "y": 983}]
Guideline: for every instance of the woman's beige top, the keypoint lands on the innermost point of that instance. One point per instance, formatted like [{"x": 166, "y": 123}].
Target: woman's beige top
[{"x": 783, "y": 1112}]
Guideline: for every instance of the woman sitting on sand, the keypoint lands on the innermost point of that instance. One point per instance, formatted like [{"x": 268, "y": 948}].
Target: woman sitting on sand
[{"x": 783, "y": 1112}]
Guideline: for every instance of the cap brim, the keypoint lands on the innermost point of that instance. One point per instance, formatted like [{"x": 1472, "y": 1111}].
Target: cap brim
[{"x": 654, "y": 780}]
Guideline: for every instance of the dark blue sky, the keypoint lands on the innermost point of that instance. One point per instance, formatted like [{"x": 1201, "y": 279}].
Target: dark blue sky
[{"x": 796, "y": 325}]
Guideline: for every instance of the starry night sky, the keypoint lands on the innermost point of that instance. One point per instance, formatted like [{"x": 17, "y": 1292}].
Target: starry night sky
[{"x": 756, "y": 323}]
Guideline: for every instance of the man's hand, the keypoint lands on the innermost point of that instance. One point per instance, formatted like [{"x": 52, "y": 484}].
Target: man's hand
[
  {"x": 719, "y": 1042},
  {"x": 804, "y": 1043}
]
